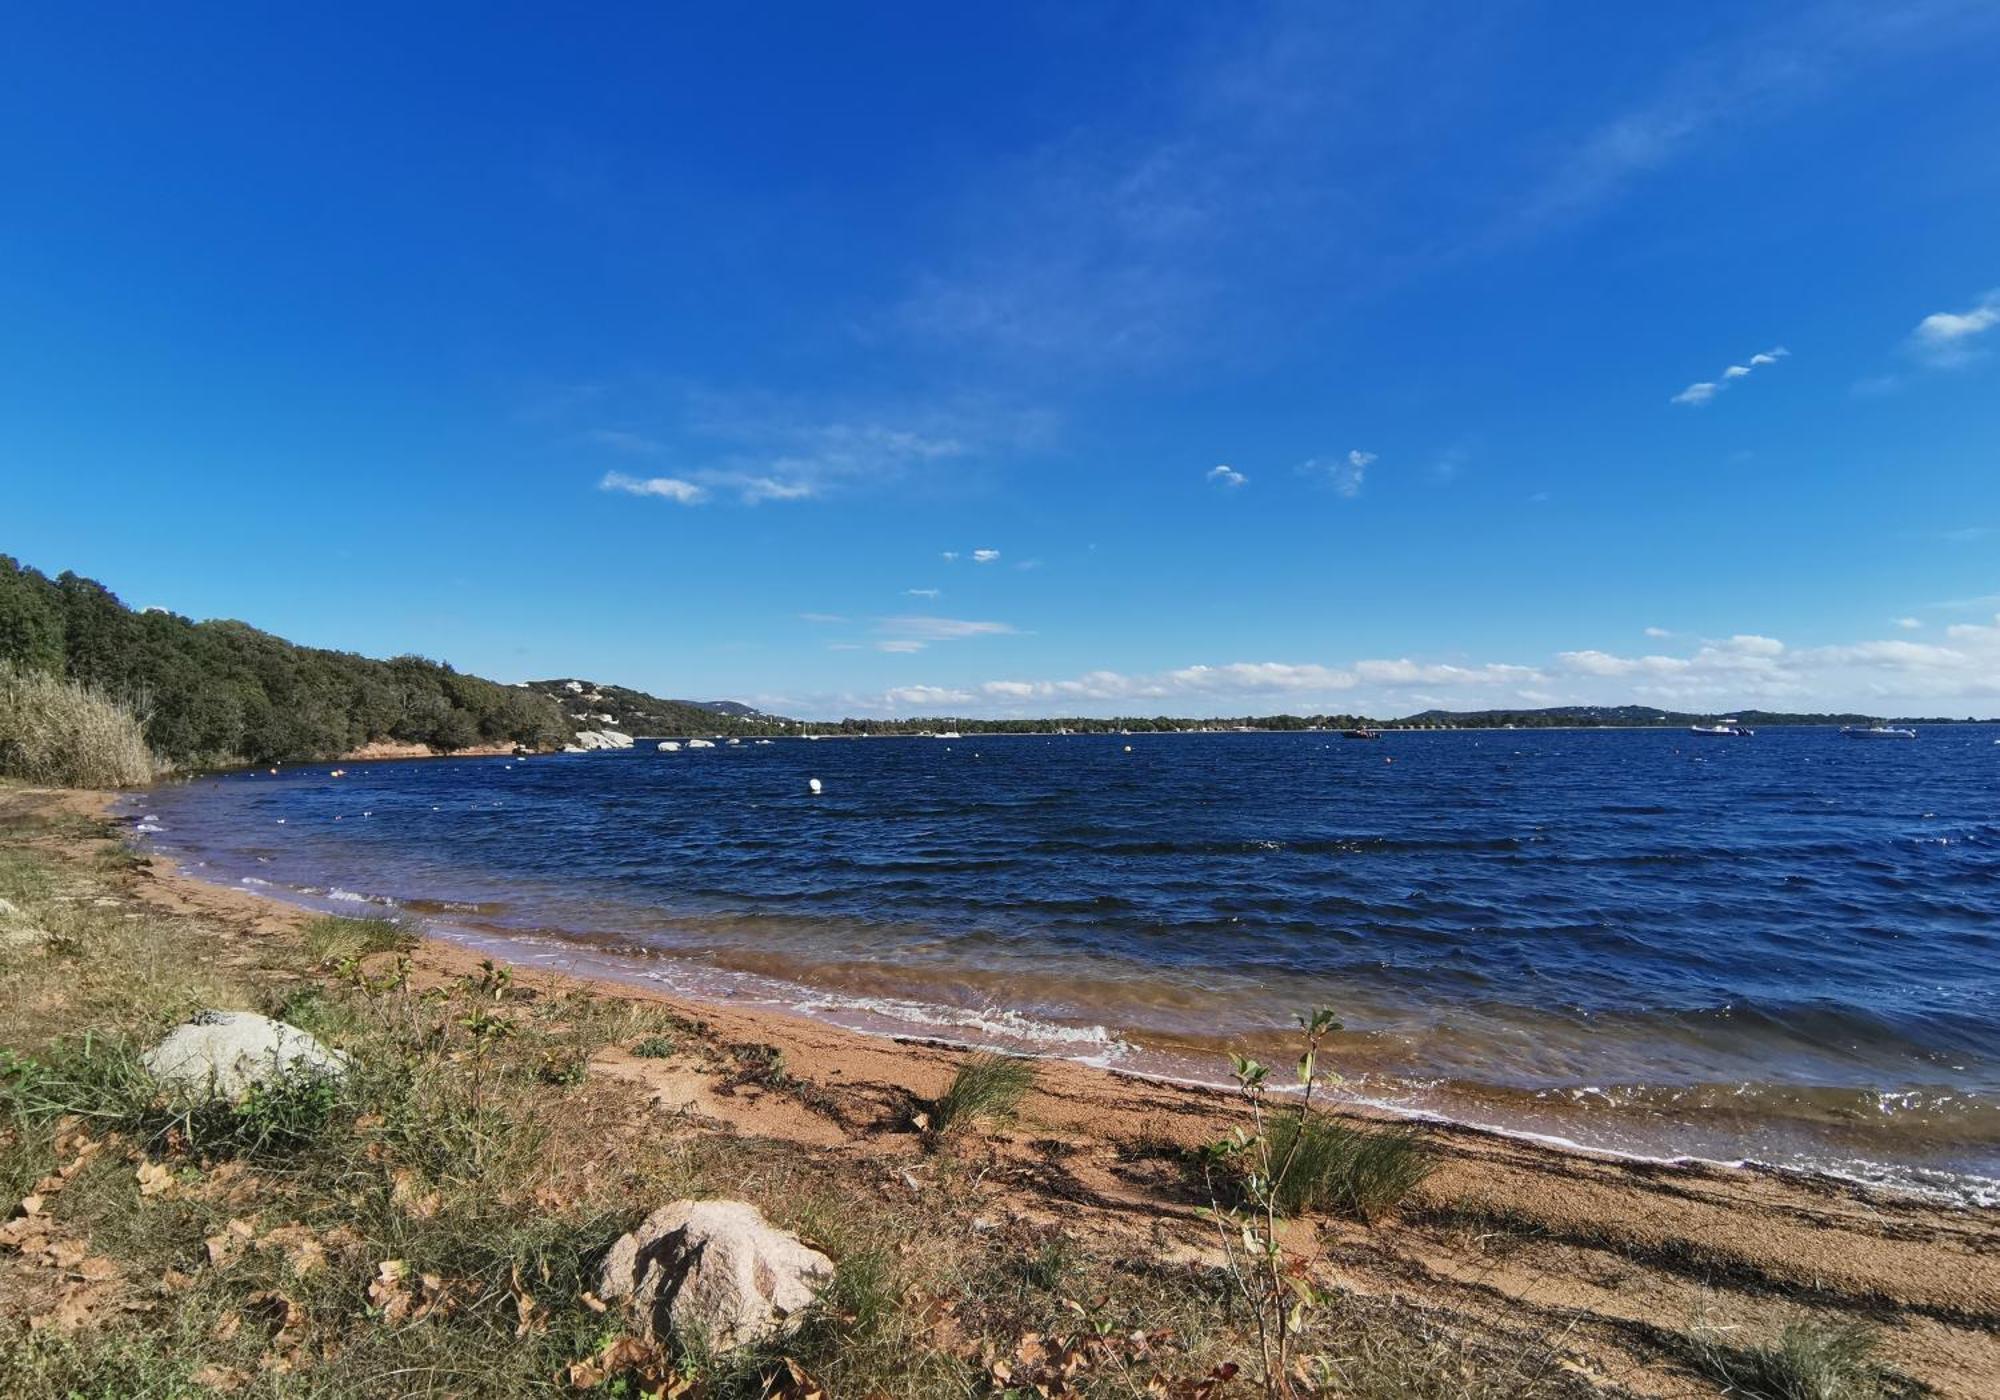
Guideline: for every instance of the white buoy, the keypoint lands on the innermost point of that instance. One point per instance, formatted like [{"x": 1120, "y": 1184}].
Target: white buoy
[
  {"x": 1128, "y": 748},
  {"x": 812, "y": 785}
]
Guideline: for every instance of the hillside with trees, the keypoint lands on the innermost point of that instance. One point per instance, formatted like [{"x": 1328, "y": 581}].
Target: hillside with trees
[
  {"x": 595, "y": 705},
  {"x": 220, "y": 692}
]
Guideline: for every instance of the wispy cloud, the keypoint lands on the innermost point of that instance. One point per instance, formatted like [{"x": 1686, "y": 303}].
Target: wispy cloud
[
  {"x": 1705, "y": 390},
  {"x": 985, "y": 556},
  {"x": 1949, "y": 339},
  {"x": 1346, "y": 474},
  {"x": 932, "y": 593},
  {"x": 819, "y": 617},
  {"x": 915, "y": 632},
  {"x": 1658, "y": 633},
  {"x": 1227, "y": 476},
  {"x": 1909, "y": 624},
  {"x": 666, "y": 488}
]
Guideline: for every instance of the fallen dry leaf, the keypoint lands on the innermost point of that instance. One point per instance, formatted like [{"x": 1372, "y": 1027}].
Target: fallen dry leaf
[
  {"x": 230, "y": 1241},
  {"x": 155, "y": 1179},
  {"x": 223, "y": 1378}
]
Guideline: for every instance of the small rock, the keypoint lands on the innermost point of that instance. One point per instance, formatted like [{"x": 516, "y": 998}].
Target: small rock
[
  {"x": 225, "y": 1053},
  {"x": 713, "y": 1271},
  {"x": 17, "y": 930}
]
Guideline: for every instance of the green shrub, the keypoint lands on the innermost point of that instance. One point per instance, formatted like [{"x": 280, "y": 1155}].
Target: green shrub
[
  {"x": 1362, "y": 1172},
  {"x": 654, "y": 1047},
  {"x": 985, "y": 1087},
  {"x": 65, "y": 734}
]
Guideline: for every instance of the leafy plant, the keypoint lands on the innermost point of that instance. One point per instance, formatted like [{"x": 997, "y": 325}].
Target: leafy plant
[
  {"x": 654, "y": 1047},
  {"x": 1250, "y": 1178}
]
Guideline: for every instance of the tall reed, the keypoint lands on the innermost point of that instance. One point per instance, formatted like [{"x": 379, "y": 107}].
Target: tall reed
[{"x": 63, "y": 733}]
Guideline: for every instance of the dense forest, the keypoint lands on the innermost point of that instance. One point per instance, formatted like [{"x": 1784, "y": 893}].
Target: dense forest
[{"x": 214, "y": 693}]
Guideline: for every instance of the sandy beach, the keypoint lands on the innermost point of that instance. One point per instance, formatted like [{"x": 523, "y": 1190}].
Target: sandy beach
[{"x": 1615, "y": 1259}]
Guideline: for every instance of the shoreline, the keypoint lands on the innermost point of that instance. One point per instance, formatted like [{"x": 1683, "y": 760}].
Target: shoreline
[
  {"x": 1839, "y": 1132},
  {"x": 1515, "y": 1114},
  {"x": 1611, "y": 1255}
]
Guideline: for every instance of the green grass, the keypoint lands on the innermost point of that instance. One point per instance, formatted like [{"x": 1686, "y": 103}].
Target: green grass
[
  {"x": 986, "y": 1089},
  {"x": 654, "y": 1047},
  {"x": 333, "y": 939},
  {"x": 1808, "y": 1361},
  {"x": 1360, "y": 1172}
]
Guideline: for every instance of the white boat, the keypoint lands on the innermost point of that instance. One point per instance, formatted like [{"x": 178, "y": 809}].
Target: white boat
[
  {"x": 700, "y": 744},
  {"x": 669, "y": 746},
  {"x": 948, "y": 734},
  {"x": 1723, "y": 729},
  {"x": 1876, "y": 731}
]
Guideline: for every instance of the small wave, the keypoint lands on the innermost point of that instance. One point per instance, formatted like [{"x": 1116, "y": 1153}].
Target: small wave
[
  {"x": 340, "y": 896},
  {"x": 995, "y": 1022},
  {"x": 255, "y": 883}
]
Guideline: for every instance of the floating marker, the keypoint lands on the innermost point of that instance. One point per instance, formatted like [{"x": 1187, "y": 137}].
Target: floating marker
[
  {"x": 812, "y": 785},
  {"x": 1128, "y": 748}
]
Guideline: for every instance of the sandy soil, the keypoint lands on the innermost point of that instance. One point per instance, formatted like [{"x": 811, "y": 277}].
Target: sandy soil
[{"x": 1617, "y": 1259}]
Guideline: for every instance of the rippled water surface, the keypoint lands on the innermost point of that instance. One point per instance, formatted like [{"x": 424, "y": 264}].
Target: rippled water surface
[{"x": 1784, "y": 948}]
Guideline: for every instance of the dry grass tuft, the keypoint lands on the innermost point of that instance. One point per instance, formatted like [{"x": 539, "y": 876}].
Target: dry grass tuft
[
  {"x": 987, "y": 1088},
  {"x": 64, "y": 734}
]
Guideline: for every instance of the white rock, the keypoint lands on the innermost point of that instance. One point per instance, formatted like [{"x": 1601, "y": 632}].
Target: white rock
[
  {"x": 715, "y": 1272},
  {"x": 224, "y": 1053}
]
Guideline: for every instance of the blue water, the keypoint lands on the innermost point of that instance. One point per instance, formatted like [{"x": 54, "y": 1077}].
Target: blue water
[{"x": 1785, "y": 948}]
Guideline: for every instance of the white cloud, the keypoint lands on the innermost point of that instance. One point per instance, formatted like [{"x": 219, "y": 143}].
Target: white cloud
[
  {"x": 922, "y": 696},
  {"x": 985, "y": 556},
  {"x": 950, "y": 556},
  {"x": 1705, "y": 390},
  {"x": 821, "y": 617},
  {"x": 1744, "y": 671},
  {"x": 1227, "y": 476},
  {"x": 1948, "y": 339},
  {"x": 924, "y": 592},
  {"x": 1909, "y": 624},
  {"x": 1658, "y": 633},
  {"x": 667, "y": 488}
]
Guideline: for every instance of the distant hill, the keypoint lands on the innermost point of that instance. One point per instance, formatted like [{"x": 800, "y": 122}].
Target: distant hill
[
  {"x": 596, "y": 705},
  {"x": 1591, "y": 716}
]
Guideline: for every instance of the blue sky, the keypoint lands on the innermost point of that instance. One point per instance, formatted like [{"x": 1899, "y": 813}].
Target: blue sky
[{"x": 1028, "y": 359}]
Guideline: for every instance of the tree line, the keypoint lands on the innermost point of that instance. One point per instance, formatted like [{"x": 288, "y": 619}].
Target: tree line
[{"x": 215, "y": 693}]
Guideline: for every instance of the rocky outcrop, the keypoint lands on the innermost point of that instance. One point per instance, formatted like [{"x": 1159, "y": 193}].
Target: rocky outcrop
[
  {"x": 588, "y": 740},
  {"x": 224, "y": 1054},
  {"x": 713, "y": 1272}
]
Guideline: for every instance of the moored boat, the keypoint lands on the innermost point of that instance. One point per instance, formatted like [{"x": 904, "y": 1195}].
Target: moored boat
[
  {"x": 1876, "y": 731},
  {"x": 1723, "y": 729},
  {"x": 1360, "y": 733}
]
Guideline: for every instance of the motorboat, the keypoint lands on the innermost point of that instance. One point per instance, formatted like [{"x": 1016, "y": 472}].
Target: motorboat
[
  {"x": 1723, "y": 729},
  {"x": 1876, "y": 731},
  {"x": 1360, "y": 733}
]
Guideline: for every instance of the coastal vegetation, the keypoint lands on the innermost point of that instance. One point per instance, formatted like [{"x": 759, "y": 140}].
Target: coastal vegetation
[
  {"x": 215, "y": 693},
  {"x": 68, "y": 733},
  {"x": 987, "y": 1088},
  {"x": 434, "y": 1221}
]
